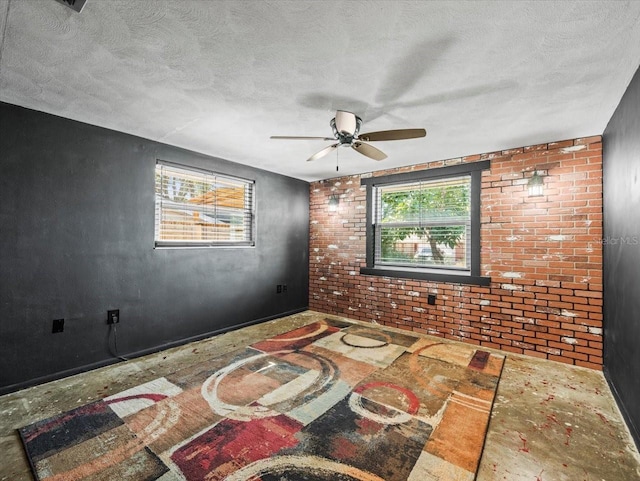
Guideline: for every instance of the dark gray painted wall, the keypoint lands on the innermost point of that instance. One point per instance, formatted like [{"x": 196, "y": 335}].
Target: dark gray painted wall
[
  {"x": 621, "y": 158},
  {"x": 76, "y": 239}
]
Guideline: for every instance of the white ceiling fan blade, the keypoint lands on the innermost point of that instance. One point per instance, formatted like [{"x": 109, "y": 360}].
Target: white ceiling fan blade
[
  {"x": 345, "y": 122},
  {"x": 323, "y": 152},
  {"x": 293, "y": 137},
  {"x": 368, "y": 150},
  {"x": 399, "y": 134}
]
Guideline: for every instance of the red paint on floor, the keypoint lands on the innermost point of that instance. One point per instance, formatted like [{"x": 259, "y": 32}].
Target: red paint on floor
[{"x": 524, "y": 447}]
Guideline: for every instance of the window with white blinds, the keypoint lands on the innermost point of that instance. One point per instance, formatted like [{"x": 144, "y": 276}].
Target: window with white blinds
[
  {"x": 196, "y": 207},
  {"x": 426, "y": 224}
]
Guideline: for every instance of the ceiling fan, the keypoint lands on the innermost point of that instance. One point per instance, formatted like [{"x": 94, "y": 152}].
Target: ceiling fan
[{"x": 346, "y": 130}]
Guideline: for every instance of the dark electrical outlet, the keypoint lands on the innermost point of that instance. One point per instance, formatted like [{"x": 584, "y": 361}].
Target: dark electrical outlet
[
  {"x": 113, "y": 316},
  {"x": 431, "y": 299},
  {"x": 58, "y": 326},
  {"x": 284, "y": 288},
  {"x": 279, "y": 289}
]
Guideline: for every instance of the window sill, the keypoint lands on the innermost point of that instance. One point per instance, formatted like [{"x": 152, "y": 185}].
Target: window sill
[
  {"x": 203, "y": 246},
  {"x": 427, "y": 275}
]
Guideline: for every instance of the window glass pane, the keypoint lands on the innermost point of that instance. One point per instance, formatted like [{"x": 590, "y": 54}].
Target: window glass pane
[
  {"x": 424, "y": 224},
  {"x": 202, "y": 208}
]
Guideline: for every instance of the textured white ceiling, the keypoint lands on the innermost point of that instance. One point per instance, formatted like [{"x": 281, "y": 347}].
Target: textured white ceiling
[{"x": 220, "y": 77}]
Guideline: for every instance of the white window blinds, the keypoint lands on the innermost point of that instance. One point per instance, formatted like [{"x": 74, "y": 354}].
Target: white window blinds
[
  {"x": 423, "y": 223},
  {"x": 200, "y": 208}
]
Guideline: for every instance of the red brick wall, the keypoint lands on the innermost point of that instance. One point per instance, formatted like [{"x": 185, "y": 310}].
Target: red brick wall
[{"x": 543, "y": 254}]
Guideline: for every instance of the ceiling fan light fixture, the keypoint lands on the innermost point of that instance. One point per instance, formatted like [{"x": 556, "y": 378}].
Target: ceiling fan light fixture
[
  {"x": 346, "y": 123},
  {"x": 345, "y": 135}
]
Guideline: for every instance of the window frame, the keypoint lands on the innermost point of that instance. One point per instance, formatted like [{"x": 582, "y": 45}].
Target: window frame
[
  {"x": 470, "y": 276},
  {"x": 186, "y": 244}
]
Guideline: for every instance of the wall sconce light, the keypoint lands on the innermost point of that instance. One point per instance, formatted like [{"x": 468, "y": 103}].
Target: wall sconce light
[
  {"x": 334, "y": 202},
  {"x": 535, "y": 185}
]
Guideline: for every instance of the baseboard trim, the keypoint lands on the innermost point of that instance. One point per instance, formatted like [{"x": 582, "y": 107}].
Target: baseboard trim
[
  {"x": 633, "y": 430},
  {"x": 132, "y": 355},
  {"x": 217, "y": 332}
]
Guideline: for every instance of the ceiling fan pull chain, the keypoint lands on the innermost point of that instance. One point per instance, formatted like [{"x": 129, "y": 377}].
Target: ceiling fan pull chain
[{"x": 337, "y": 150}]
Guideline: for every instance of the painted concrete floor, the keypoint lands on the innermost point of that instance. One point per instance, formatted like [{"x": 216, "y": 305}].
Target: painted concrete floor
[{"x": 550, "y": 421}]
